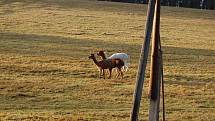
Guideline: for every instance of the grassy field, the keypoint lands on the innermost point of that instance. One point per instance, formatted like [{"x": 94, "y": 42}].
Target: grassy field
[{"x": 45, "y": 73}]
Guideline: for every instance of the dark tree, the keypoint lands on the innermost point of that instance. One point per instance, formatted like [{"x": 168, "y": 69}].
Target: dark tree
[{"x": 211, "y": 4}]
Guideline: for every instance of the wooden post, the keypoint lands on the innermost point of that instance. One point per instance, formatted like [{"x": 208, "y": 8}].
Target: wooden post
[
  {"x": 143, "y": 62},
  {"x": 155, "y": 75},
  {"x": 155, "y": 53},
  {"x": 155, "y": 104}
]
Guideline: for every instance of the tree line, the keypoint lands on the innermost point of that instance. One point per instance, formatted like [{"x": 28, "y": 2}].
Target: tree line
[{"x": 200, "y": 4}]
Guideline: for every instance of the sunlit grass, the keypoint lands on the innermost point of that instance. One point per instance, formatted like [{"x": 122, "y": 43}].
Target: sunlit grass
[{"x": 46, "y": 73}]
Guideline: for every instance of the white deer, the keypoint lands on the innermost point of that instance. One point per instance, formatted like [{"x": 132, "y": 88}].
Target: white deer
[{"x": 123, "y": 56}]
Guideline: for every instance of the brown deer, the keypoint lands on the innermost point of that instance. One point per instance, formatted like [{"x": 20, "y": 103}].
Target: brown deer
[
  {"x": 123, "y": 56},
  {"x": 108, "y": 64}
]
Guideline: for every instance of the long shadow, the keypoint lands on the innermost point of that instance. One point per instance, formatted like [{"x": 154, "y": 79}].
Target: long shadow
[
  {"x": 28, "y": 3},
  {"x": 109, "y": 6},
  {"x": 85, "y": 4},
  {"x": 62, "y": 46},
  {"x": 58, "y": 46},
  {"x": 187, "y": 80}
]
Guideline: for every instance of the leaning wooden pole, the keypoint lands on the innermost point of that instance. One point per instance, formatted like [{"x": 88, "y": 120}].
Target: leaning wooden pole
[
  {"x": 143, "y": 62},
  {"x": 156, "y": 67}
]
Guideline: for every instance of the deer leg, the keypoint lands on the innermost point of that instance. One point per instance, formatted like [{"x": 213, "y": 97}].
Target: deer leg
[
  {"x": 103, "y": 73},
  {"x": 110, "y": 70},
  {"x": 121, "y": 73},
  {"x": 117, "y": 75},
  {"x": 100, "y": 72}
]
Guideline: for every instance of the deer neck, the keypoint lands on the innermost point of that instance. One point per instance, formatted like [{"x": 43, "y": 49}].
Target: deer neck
[
  {"x": 95, "y": 61},
  {"x": 104, "y": 56}
]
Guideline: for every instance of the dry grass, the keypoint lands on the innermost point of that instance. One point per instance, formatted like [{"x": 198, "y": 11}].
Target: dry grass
[{"x": 46, "y": 74}]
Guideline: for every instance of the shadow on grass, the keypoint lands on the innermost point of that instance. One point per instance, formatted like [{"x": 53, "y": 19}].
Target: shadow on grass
[
  {"x": 58, "y": 46},
  {"x": 188, "y": 80},
  {"x": 83, "y": 4},
  {"x": 61, "y": 46},
  {"x": 95, "y": 5}
]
